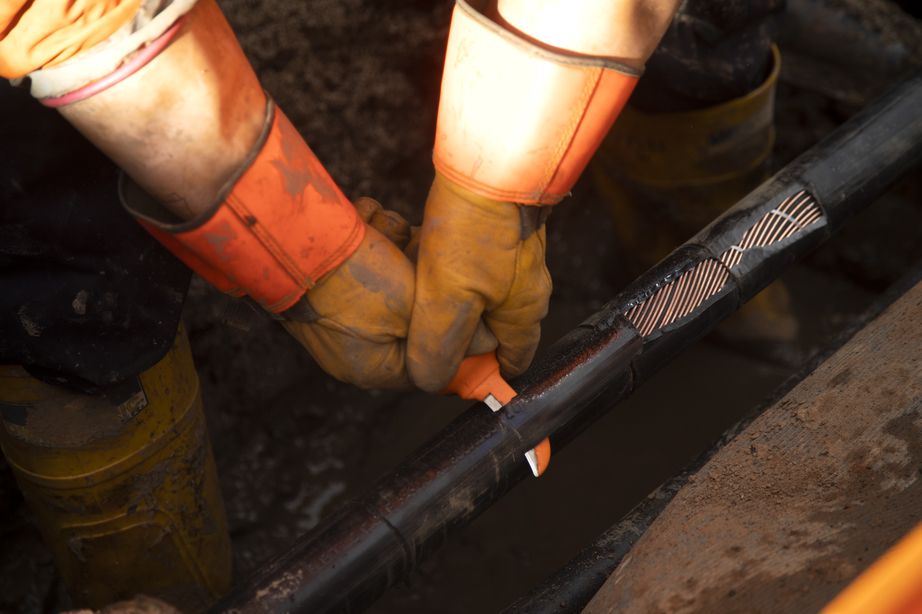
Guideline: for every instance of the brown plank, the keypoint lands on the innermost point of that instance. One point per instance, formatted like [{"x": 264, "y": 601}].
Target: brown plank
[{"x": 804, "y": 499}]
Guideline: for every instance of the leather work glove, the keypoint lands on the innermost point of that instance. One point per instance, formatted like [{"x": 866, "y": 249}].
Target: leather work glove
[
  {"x": 477, "y": 258},
  {"x": 354, "y": 321}
]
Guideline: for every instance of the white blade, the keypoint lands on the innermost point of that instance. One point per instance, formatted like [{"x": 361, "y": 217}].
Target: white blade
[{"x": 532, "y": 459}]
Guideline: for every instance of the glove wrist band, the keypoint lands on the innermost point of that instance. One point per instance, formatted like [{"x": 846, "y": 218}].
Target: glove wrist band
[
  {"x": 130, "y": 46},
  {"x": 136, "y": 62}
]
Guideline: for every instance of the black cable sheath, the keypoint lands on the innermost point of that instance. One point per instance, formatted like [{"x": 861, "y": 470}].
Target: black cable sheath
[{"x": 353, "y": 556}]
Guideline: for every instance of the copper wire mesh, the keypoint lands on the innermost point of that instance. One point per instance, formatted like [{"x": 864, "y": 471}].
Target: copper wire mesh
[{"x": 683, "y": 295}]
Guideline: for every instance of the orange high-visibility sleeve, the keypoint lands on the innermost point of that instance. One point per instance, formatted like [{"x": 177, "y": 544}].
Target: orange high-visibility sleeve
[
  {"x": 518, "y": 122},
  {"x": 282, "y": 226},
  {"x": 39, "y": 33}
]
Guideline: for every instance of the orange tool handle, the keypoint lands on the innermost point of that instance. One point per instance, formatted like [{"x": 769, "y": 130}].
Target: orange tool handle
[{"x": 479, "y": 376}]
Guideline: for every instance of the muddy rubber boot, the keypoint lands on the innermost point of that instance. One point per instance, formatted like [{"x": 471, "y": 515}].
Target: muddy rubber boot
[
  {"x": 666, "y": 175},
  {"x": 122, "y": 484}
]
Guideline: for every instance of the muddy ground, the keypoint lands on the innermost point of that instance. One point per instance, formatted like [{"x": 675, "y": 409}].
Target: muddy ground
[
  {"x": 360, "y": 78},
  {"x": 819, "y": 486}
]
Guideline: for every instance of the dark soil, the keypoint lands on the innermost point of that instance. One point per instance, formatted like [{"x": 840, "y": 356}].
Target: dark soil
[
  {"x": 804, "y": 499},
  {"x": 360, "y": 79}
]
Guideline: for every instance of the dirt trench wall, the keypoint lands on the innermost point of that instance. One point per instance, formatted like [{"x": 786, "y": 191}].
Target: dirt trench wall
[{"x": 802, "y": 501}]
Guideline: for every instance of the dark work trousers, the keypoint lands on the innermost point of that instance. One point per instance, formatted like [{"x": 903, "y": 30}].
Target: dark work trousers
[{"x": 87, "y": 297}]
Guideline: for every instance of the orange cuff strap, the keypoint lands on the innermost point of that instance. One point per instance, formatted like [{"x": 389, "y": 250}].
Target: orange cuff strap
[
  {"x": 518, "y": 122},
  {"x": 283, "y": 225}
]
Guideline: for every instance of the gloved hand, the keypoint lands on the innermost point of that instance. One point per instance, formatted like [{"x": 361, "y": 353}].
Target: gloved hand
[
  {"x": 354, "y": 321},
  {"x": 477, "y": 258}
]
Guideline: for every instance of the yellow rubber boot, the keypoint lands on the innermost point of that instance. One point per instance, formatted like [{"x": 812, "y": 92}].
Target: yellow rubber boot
[
  {"x": 122, "y": 485},
  {"x": 667, "y": 175}
]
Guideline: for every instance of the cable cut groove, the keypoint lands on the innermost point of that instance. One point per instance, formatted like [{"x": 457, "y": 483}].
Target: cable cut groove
[{"x": 682, "y": 296}]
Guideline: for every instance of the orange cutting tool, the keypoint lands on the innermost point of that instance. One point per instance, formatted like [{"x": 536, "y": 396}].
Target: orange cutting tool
[{"x": 478, "y": 379}]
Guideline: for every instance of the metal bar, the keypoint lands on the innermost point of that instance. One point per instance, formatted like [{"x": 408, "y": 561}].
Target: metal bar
[{"x": 356, "y": 554}]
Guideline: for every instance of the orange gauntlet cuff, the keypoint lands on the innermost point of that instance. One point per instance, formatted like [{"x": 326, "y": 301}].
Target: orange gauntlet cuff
[
  {"x": 519, "y": 122},
  {"x": 282, "y": 225}
]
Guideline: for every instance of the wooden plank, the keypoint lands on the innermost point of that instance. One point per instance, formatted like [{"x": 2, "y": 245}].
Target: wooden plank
[{"x": 804, "y": 499}]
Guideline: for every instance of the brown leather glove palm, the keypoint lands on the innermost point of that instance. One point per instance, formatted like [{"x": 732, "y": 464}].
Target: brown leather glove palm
[
  {"x": 477, "y": 258},
  {"x": 354, "y": 322}
]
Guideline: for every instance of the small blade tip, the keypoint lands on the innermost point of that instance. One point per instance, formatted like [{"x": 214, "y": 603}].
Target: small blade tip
[
  {"x": 532, "y": 459},
  {"x": 493, "y": 403}
]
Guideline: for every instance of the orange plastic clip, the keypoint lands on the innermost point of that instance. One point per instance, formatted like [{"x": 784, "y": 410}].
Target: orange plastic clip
[{"x": 478, "y": 379}]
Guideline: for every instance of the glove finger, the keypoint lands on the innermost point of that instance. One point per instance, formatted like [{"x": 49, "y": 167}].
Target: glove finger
[
  {"x": 371, "y": 293},
  {"x": 412, "y": 248},
  {"x": 354, "y": 322},
  {"x": 382, "y": 365},
  {"x": 516, "y": 322},
  {"x": 484, "y": 341},
  {"x": 441, "y": 330},
  {"x": 366, "y": 207},
  {"x": 389, "y": 223},
  {"x": 392, "y": 225}
]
